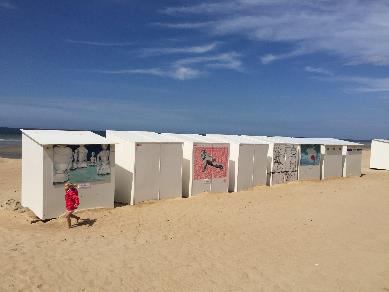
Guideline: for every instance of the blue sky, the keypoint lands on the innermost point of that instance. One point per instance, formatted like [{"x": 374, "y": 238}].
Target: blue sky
[{"x": 268, "y": 67}]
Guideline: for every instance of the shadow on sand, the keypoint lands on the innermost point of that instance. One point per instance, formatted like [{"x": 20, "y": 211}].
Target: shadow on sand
[{"x": 85, "y": 222}]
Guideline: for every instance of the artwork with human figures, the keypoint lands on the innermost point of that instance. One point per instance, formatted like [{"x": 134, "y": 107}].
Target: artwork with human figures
[
  {"x": 310, "y": 155},
  {"x": 210, "y": 162},
  {"x": 81, "y": 163}
]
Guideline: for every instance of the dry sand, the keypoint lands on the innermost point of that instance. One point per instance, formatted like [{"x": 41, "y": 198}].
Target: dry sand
[{"x": 306, "y": 236}]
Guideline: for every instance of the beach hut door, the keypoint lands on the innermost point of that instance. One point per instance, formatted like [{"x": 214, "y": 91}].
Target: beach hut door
[
  {"x": 146, "y": 186},
  {"x": 353, "y": 161},
  {"x": 170, "y": 178},
  {"x": 219, "y": 170},
  {"x": 245, "y": 167},
  {"x": 201, "y": 171},
  {"x": 333, "y": 163},
  {"x": 260, "y": 165}
]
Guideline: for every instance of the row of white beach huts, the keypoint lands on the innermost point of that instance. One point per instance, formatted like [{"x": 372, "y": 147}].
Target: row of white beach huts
[{"x": 134, "y": 166}]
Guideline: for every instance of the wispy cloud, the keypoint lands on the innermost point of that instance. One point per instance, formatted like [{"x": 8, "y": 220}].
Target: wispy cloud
[
  {"x": 186, "y": 68},
  {"x": 99, "y": 44},
  {"x": 184, "y": 25},
  {"x": 269, "y": 58},
  {"x": 176, "y": 72},
  {"x": 221, "y": 7},
  {"x": 355, "y": 30},
  {"x": 4, "y": 4},
  {"x": 365, "y": 84},
  {"x": 318, "y": 70},
  {"x": 179, "y": 50},
  {"x": 230, "y": 60},
  {"x": 352, "y": 84}
]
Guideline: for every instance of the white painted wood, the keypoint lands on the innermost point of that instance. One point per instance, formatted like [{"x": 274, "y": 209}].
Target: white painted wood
[
  {"x": 354, "y": 161},
  {"x": 190, "y": 185},
  {"x": 220, "y": 185},
  {"x": 161, "y": 160},
  {"x": 32, "y": 176},
  {"x": 333, "y": 161},
  {"x": 170, "y": 179},
  {"x": 379, "y": 157},
  {"x": 60, "y": 137},
  {"x": 39, "y": 193},
  {"x": 246, "y": 167},
  {"x": 258, "y": 173},
  {"x": 260, "y": 164},
  {"x": 99, "y": 195},
  {"x": 146, "y": 179}
]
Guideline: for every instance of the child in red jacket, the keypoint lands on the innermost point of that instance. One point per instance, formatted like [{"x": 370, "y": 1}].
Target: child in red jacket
[{"x": 72, "y": 201}]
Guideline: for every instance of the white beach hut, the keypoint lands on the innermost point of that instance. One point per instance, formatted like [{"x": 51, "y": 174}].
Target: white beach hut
[
  {"x": 282, "y": 159},
  {"x": 308, "y": 154},
  {"x": 340, "y": 158},
  {"x": 379, "y": 157},
  {"x": 248, "y": 161},
  {"x": 148, "y": 166},
  {"x": 205, "y": 164},
  {"x": 309, "y": 158},
  {"x": 52, "y": 157}
]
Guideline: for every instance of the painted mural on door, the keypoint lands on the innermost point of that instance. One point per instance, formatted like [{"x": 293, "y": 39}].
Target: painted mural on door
[
  {"x": 284, "y": 163},
  {"x": 210, "y": 162},
  {"x": 310, "y": 155},
  {"x": 81, "y": 163}
]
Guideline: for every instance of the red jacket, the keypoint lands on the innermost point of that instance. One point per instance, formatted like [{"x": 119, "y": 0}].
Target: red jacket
[{"x": 71, "y": 199}]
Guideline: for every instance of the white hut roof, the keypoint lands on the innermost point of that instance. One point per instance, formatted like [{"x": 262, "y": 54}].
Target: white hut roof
[
  {"x": 201, "y": 138},
  {"x": 328, "y": 141},
  {"x": 60, "y": 137},
  {"x": 299, "y": 141},
  {"x": 381, "y": 140},
  {"x": 193, "y": 138},
  {"x": 142, "y": 137},
  {"x": 235, "y": 139}
]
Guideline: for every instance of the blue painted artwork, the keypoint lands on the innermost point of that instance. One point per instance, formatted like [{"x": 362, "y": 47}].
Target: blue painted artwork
[{"x": 310, "y": 155}]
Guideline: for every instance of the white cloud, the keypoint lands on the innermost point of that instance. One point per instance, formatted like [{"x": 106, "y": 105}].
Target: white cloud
[
  {"x": 184, "y": 25},
  {"x": 186, "y": 68},
  {"x": 269, "y": 58},
  {"x": 355, "y": 30},
  {"x": 318, "y": 70},
  {"x": 98, "y": 44},
  {"x": 180, "y": 50},
  {"x": 228, "y": 60},
  {"x": 365, "y": 84},
  {"x": 175, "y": 72},
  {"x": 184, "y": 73},
  {"x": 353, "y": 84},
  {"x": 221, "y": 7}
]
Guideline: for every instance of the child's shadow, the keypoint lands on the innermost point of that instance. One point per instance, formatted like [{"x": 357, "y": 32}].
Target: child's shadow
[{"x": 87, "y": 221}]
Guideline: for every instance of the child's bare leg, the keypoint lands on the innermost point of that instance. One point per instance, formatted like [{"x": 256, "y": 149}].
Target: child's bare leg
[
  {"x": 75, "y": 217},
  {"x": 68, "y": 219}
]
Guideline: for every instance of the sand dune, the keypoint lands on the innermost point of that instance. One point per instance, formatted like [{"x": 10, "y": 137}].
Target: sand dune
[{"x": 305, "y": 236}]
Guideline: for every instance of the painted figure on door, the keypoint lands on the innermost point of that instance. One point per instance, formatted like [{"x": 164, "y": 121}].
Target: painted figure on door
[
  {"x": 208, "y": 160},
  {"x": 82, "y": 156},
  {"x": 103, "y": 166}
]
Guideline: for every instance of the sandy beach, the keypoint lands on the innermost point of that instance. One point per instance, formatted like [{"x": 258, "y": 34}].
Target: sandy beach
[{"x": 328, "y": 235}]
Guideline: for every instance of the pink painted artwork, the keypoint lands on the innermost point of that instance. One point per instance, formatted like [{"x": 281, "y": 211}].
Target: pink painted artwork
[{"x": 210, "y": 162}]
